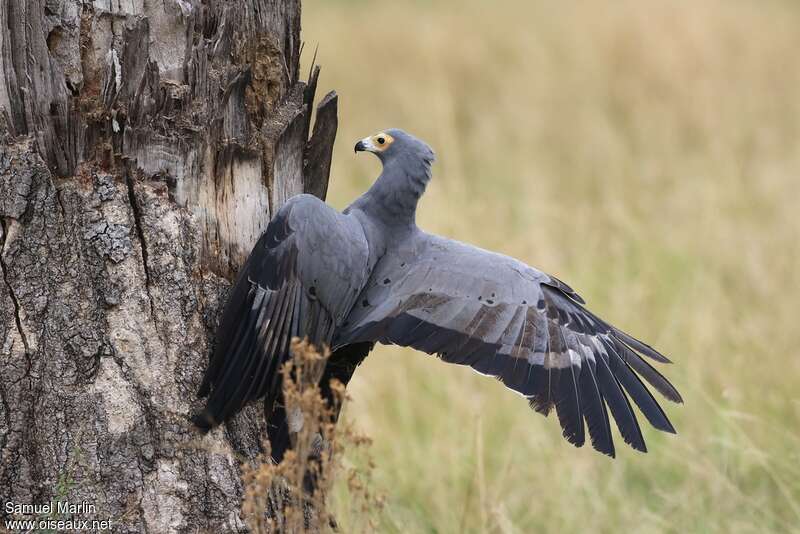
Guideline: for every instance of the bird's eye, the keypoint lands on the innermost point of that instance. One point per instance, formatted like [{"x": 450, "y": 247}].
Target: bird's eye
[{"x": 381, "y": 140}]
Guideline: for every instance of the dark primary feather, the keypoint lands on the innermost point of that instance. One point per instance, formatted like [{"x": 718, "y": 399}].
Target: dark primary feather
[
  {"x": 370, "y": 275},
  {"x": 300, "y": 280},
  {"x": 529, "y": 330}
]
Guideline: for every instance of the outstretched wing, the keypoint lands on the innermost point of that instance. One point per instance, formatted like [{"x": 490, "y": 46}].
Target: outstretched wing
[
  {"x": 508, "y": 320},
  {"x": 300, "y": 280}
]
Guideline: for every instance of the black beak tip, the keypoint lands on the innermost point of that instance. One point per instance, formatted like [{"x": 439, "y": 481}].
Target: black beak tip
[{"x": 359, "y": 147}]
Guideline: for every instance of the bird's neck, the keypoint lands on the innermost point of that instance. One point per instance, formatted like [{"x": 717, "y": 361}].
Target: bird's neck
[{"x": 393, "y": 197}]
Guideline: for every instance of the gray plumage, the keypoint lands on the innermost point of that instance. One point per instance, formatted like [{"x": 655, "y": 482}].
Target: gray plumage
[{"x": 369, "y": 274}]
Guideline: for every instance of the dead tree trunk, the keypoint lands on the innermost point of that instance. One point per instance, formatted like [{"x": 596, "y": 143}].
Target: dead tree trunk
[{"x": 143, "y": 146}]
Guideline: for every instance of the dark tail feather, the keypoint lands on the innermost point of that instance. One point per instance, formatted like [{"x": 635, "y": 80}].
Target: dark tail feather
[
  {"x": 277, "y": 429},
  {"x": 341, "y": 365}
]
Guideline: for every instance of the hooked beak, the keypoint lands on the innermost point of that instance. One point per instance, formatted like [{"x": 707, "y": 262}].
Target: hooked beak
[{"x": 365, "y": 145}]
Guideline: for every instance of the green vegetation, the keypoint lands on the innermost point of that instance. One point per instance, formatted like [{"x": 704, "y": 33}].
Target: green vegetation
[{"x": 646, "y": 152}]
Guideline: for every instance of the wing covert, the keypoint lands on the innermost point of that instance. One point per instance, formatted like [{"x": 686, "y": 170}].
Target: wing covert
[
  {"x": 507, "y": 320},
  {"x": 300, "y": 280}
]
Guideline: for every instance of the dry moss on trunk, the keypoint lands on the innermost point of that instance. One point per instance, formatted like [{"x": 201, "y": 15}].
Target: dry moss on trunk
[{"x": 143, "y": 147}]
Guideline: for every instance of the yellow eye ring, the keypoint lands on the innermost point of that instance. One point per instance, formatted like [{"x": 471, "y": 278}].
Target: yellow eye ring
[{"x": 382, "y": 141}]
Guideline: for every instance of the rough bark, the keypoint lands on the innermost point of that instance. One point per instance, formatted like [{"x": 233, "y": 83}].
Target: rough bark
[{"x": 143, "y": 146}]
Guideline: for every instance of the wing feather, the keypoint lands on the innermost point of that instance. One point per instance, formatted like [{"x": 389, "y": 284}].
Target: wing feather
[
  {"x": 648, "y": 372},
  {"x": 640, "y": 395},
  {"x": 619, "y": 406},
  {"x": 527, "y": 329},
  {"x": 301, "y": 279},
  {"x": 594, "y": 409}
]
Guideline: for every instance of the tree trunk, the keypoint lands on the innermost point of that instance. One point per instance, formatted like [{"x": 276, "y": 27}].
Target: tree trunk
[{"x": 143, "y": 146}]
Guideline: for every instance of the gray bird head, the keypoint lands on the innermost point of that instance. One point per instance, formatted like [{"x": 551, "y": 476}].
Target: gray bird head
[
  {"x": 396, "y": 145},
  {"x": 406, "y": 172}
]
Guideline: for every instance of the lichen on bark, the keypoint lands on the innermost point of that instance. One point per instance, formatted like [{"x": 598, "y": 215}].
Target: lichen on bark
[{"x": 143, "y": 147}]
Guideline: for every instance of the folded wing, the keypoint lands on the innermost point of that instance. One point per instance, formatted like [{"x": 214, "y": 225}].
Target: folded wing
[
  {"x": 508, "y": 320},
  {"x": 300, "y": 280}
]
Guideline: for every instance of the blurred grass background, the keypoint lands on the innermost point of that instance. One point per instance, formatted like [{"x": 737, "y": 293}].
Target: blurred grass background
[{"x": 646, "y": 152}]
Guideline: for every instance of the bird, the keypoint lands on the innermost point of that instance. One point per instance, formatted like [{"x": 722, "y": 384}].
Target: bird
[{"x": 369, "y": 275}]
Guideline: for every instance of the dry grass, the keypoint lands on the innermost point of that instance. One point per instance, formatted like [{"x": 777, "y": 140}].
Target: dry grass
[
  {"x": 648, "y": 153},
  {"x": 292, "y": 496}
]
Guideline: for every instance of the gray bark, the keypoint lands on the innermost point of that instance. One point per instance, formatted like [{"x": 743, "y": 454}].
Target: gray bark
[{"x": 143, "y": 146}]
